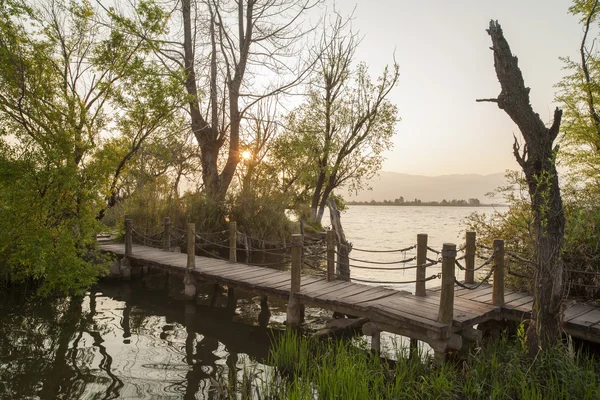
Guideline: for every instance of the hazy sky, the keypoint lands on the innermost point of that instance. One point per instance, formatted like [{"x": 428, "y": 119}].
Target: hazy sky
[{"x": 445, "y": 64}]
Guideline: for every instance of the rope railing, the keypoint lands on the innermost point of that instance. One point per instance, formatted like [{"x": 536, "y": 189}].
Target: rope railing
[
  {"x": 385, "y": 251},
  {"x": 407, "y": 260},
  {"x": 484, "y": 280},
  {"x": 436, "y": 276},
  {"x": 432, "y": 261},
  {"x": 270, "y": 242},
  {"x": 217, "y": 244},
  {"x": 431, "y": 249},
  {"x": 211, "y": 254},
  {"x": 486, "y": 263}
]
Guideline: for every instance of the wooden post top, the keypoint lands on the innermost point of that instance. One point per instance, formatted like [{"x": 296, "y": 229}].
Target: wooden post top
[{"x": 449, "y": 250}]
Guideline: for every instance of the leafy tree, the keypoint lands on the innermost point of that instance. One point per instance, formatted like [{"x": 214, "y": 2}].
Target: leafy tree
[
  {"x": 338, "y": 135},
  {"x": 67, "y": 82}
]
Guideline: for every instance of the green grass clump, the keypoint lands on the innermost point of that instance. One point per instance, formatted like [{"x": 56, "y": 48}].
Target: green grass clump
[{"x": 305, "y": 368}]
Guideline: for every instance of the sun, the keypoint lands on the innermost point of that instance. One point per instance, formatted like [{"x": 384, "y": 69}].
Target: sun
[{"x": 246, "y": 155}]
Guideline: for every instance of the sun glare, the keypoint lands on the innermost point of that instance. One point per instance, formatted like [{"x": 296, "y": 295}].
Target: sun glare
[{"x": 246, "y": 155}]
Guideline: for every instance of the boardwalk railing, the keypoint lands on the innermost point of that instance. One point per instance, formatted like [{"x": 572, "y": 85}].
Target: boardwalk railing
[
  {"x": 494, "y": 268},
  {"x": 429, "y": 315}
]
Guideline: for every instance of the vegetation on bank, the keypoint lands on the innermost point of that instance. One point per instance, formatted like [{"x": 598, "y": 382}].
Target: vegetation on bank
[
  {"x": 473, "y": 202},
  {"x": 306, "y": 368}
]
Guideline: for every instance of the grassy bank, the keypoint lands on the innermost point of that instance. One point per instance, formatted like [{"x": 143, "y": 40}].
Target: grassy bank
[{"x": 308, "y": 369}]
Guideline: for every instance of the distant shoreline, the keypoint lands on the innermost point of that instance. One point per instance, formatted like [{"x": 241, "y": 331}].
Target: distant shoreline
[{"x": 354, "y": 203}]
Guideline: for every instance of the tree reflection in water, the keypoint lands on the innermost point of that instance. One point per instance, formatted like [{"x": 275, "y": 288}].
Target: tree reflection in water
[{"x": 122, "y": 340}]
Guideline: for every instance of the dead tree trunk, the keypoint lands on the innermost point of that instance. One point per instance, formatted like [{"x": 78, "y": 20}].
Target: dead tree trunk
[
  {"x": 538, "y": 162},
  {"x": 344, "y": 247}
]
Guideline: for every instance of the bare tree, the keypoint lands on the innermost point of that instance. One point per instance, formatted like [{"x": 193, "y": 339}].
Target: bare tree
[
  {"x": 538, "y": 162},
  {"x": 225, "y": 45}
]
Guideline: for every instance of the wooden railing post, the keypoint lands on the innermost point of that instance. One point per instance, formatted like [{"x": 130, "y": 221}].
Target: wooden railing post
[
  {"x": 420, "y": 289},
  {"x": 470, "y": 257},
  {"x": 167, "y": 234},
  {"x": 233, "y": 241},
  {"x": 128, "y": 237},
  {"x": 293, "y": 309},
  {"x": 498, "y": 284},
  {"x": 191, "y": 246},
  {"x": 446, "y": 313},
  {"x": 330, "y": 255}
]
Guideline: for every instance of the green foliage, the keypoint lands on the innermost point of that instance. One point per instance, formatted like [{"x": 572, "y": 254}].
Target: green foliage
[
  {"x": 500, "y": 370},
  {"x": 77, "y": 99},
  {"x": 580, "y": 252},
  {"x": 339, "y": 134}
]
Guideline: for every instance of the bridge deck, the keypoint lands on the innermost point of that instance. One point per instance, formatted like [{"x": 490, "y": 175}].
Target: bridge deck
[{"x": 400, "y": 310}]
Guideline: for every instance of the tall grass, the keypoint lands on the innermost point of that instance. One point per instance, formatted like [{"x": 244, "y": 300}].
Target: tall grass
[{"x": 305, "y": 368}]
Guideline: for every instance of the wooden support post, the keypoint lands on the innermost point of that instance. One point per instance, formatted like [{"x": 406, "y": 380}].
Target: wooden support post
[
  {"x": 330, "y": 255},
  {"x": 167, "y": 234},
  {"x": 470, "y": 257},
  {"x": 128, "y": 237},
  {"x": 293, "y": 309},
  {"x": 231, "y": 300},
  {"x": 498, "y": 284},
  {"x": 370, "y": 329},
  {"x": 233, "y": 241},
  {"x": 188, "y": 278},
  {"x": 420, "y": 289},
  {"x": 446, "y": 313}
]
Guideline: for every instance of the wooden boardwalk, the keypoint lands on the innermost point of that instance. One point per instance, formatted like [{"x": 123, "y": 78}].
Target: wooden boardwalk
[{"x": 390, "y": 310}]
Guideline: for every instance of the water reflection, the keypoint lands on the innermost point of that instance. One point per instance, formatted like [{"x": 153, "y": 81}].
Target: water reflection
[{"x": 126, "y": 341}]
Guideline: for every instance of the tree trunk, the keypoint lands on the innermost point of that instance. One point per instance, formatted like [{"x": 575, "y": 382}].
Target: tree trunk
[
  {"x": 343, "y": 246},
  {"x": 538, "y": 163}
]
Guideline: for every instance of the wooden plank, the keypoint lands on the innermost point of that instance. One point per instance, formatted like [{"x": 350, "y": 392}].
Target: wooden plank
[
  {"x": 306, "y": 281},
  {"x": 258, "y": 278},
  {"x": 575, "y": 311},
  {"x": 476, "y": 293},
  {"x": 320, "y": 288},
  {"x": 464, "y": 306},
  {"x": 274, "y": 281},
  {"x": 587, "y": 319},
  {"x": 375, "y": 293},
  {"x": 345, "y": 292},
  {"x": 396, "y": 312}
]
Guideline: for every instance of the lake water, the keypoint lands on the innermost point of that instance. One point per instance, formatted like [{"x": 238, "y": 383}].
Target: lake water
[
  {"x": 141, "y": 340},
  {"x": 396, "y": 227}
]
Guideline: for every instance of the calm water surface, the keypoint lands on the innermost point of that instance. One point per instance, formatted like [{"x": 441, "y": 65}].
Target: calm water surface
[{"x": 141, "y": 340}]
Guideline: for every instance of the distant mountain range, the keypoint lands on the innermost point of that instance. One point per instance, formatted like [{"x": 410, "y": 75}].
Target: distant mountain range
[{"x": 392, "y": 185}]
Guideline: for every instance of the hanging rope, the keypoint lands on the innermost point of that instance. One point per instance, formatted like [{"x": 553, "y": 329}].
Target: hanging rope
[
  {"x": 217, "y": 244},
  {"x": 260, "y": 240},
  {"x": 385, "y": 251},
  {"x": 433, "y": 250},
  {"x": 380, "y": 262},
  {"x": 432, "y": 261},
  {"x": 485, "y": 280},
  {"x": 487, "y": 262},
  {"x": 437, "y": 276}
]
